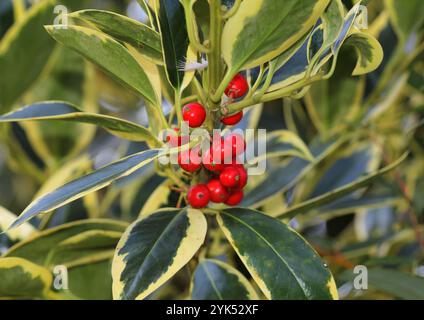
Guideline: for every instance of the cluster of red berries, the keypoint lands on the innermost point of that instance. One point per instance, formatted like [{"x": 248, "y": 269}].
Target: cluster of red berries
[
  {"x": 227, "y": 187},
  {"x": 227, "y": 178}
]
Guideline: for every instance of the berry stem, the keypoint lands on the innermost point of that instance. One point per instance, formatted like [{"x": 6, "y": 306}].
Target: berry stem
[
  {"x": 177, "y": 106},
  {"x": 214, "y": 57},
  {"x": 278, "y": 94},
  {"x": 257, "y": 82},
  {"x": 199, "y": 90}
]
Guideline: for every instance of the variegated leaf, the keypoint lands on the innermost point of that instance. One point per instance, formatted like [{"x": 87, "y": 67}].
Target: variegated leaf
[
  {"x": 153, "y": 249},
  {"x": 216, "y": 280},
  {"x": 142, "y": 37},
  {"x": 263, "y": 29},
  {"x": 86, "y": 184},
  {"x": 108, "y": 54},
  {"x": 63, "y": 111},
  {"x": 20, "y": 278},
  {"x": 281, "y": 262}
]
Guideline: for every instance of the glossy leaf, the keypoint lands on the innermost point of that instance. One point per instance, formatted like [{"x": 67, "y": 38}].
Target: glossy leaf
[
  {"x": 283, "y": 143},
  {"x": 351, "y": 203},
  {"x": 153, "y": 249},
  {"x": 362, "y": 161},
  {"x": 175, "y": 43},
  {"x": 66, "y": 173},
  {"x": 24, "y": 51},
  {"x": 91, "y": 280},
  {"x": 281, "y": 262},
  {"x": 83, "y": 247},
  {"x": 108, "y": 54},
  {"x": 92, "y": 182},
  {"x": 38, "y": 248},
  {"x": 393, "y": 282},
  {"x": 216, "y": 280},
  {"x": 261, "y": 30},
  {"x": 286, "y": 176},
  {"x": 20, "y": 278},
  {"x": 340, "y": 191},
  {"x": 142, "y": 37},
  {"x": 397, "y": 283},
  {"x": 63, "y": 111},
  {"x": 369, "y": 51},
  {"x": 310, "y": 54}
]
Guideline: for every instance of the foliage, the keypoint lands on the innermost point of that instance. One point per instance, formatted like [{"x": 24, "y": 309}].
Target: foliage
[{"x": 342, "y": 104}]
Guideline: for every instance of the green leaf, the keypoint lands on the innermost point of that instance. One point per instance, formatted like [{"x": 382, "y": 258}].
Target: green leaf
[
  {"x": 339, "y": 192},
  {"x": 286, "y": 176},
  {"x": 216, "y": 280},
  {"x": 361, "y": 161},
  {"x": 406, "y": 16},
  {"x": 263, "y": 29},
  {"x": 24, "y": 51},
  {"x": 281, "y": 262},
  {"x": 332, "y": 22},
  {"x": 369, "y": 51},
  {"x": 38, "y": 248},
  {"x": 153, "y": 249},
  {"x": 175, "y": 43},
  {"x": 84, "y": 246},
  {"x": 92, "y": 182},
  {"x": 91, "y": 281},
  {"x": 396, "y": 283},
  {"x": 108, "y": 54},
  {"x": 284, "y": 143},
  {"x": 399, "y": 284},
  {"x": 290, "y": 66},
  {"x": 20, "y": 278},
  {"x": 351, "y": 204},
  {"x": 311, "y": 53},
  {"x": 63, "y": 111},
  {"x": 137, "y": 34}
]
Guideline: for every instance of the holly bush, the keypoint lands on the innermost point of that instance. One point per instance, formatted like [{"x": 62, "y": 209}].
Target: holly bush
[{"x": 125, "y": 148}]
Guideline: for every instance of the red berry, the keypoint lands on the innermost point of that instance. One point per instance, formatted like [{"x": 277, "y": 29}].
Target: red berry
[
  {"x": 215, "y": 158},
  {"x": 235, "y": 198},
  {"x": 194, "y": 114},
  {"x": 230, "y": 177},
  {"x": 198, "y": 196},
  {"x": 190, "y": 160},
  {"x": 218, "y": 193},
  {"x": 243, "y": 176},
  {"x": 237, "y": 88},
  {"x": 233, "y": 119},
  {"x": 237, "y": 144},
  {"x": 212, "y": 163}
]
